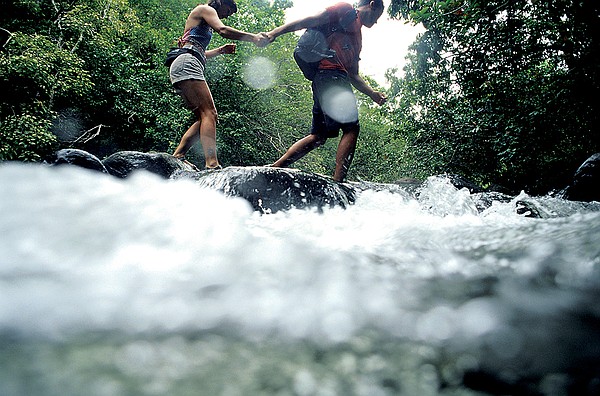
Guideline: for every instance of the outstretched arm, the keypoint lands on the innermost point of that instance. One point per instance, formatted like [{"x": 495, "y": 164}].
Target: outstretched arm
[
  {"x": 304, "y": 23},
  {"x": 361, "y": 85},
  {"x": 210, "y": 16}
]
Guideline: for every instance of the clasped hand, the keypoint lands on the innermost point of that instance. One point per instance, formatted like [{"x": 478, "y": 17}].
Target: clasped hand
[{"x": 263, "y": 39}]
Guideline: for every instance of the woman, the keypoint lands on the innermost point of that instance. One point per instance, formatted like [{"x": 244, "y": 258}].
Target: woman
[{"x": 187, "y": 73}]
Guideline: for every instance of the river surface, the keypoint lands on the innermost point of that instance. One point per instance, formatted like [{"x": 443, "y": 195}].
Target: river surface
[{"x": 146, "y": 286}]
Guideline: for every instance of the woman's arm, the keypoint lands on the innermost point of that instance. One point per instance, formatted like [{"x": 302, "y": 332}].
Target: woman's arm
[
  {"x": 224, "y": 49},
  {"x": 210, "y": 16}
]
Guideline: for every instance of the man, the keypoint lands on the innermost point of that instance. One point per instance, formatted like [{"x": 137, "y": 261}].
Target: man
[{"x": 335, "y": 105}]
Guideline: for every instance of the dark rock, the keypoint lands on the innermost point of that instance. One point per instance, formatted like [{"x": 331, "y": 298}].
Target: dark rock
[
  {"x": 485, "y": 200},
  {"x": 273, "y": 189},
  {"x": 79, "y": 158},
  {"x": 548, "y": 342},
  {"x": 528, "y": 209},
  {"x": 408, "y": 190},
  {"x": 122, "y": 163},
  {"x": 586, "y": 182},
  {"x": 410, "y": 185},
  {"x": 267, "y": 189},
  {"x": 461, "y": 182}
]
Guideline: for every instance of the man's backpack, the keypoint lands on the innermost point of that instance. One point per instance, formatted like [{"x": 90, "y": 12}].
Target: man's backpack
[{"x": 313, "y": 45}]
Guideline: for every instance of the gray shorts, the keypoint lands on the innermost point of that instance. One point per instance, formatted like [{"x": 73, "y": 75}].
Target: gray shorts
[{"x": 186, "y": 67}]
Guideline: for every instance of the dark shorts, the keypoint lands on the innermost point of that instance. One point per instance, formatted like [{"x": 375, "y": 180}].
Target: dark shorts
[{"x": 334, "y": 105}]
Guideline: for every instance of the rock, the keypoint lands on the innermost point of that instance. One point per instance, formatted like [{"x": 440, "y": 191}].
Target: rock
[
  {"x": 79, "y": 158},
  {"x": 408, "y": 191},
  {"x": 485, "y": 200},
  {"x": 267, "y": 189},
  {"x": 270, "y": 190},
  {"x": 559, "y": 345},
  {"x": 528, "y": 209},
  {"x": 461, "y": 182},
  {"x": 586, "y": 182},
  {"x": 410, "y": 185},
  {"x": 122, "y": 163}
]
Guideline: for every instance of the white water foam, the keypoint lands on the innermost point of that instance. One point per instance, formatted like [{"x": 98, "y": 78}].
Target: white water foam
[{"x": 84, "y": 253}]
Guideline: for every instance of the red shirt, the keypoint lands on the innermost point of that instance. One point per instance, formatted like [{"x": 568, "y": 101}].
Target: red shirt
[{"x": 347, "y": 42}]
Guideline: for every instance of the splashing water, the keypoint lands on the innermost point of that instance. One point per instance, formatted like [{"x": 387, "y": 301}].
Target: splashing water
[{"x": 146, "y": 286}]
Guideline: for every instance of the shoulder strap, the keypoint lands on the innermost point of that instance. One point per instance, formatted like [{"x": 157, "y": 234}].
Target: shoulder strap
[
  {"x": 337, "y": 24},
  {"x": 348, "y": 18}
]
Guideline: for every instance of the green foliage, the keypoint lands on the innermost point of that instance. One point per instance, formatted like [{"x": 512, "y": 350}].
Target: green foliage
[
  {"x": 26, "y": 138},
  {"x": 37, "y": 76},
  {"x": 502, "y": 92},
  {"x": 378, "y": 156},
  {"x": 36, "y": 68}
]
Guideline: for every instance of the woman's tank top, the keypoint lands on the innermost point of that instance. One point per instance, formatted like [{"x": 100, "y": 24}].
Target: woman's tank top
[{"x": 199, "y": 35}]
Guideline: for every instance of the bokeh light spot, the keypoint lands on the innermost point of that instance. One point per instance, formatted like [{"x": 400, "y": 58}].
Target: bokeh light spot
[
  {"x": 259, "y": 73},
  {"x": 340, "y": 105}
]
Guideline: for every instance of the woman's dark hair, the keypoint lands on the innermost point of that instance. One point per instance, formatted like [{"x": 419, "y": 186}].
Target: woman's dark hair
[{"x": 218, "y": 3}]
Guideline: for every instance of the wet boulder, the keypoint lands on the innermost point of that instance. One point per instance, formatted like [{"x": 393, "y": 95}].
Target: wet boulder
[
  {"x": 267, "y": 189},
  {"x": 79, "y": 158},
  {"x": 461, "y": 182},
  {"x": 485, "y": 200},
  {"x": 122, "y": 163},
  {"x": 270, "y": 190},
  {"x": 586, "y": 182}
]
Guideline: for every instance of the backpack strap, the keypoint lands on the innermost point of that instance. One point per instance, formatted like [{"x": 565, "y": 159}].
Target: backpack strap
[
  {"x": 342, "y": 23},
  {"x": 348, "y": 18}
]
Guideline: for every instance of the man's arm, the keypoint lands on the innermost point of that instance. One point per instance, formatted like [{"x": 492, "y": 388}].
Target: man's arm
[
  {"x": 304, "y": 23},
  {"x": 361, "y": 85}
]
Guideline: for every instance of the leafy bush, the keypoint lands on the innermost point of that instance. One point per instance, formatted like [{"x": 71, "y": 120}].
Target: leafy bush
[{"x": 26, "y": 138}]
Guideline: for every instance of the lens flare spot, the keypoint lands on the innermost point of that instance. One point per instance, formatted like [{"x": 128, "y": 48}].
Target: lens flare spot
[
  {"x": 340, "y": 104},
  {"x": 259, "y": 73}
]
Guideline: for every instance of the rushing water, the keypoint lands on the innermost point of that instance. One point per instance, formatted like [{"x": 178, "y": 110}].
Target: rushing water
[{"x": 151, "y": 287}]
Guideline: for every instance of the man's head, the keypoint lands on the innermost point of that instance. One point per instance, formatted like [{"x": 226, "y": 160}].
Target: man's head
[
  {"x": 370, "y": 11},
  {"x": 224, "y": 8}
]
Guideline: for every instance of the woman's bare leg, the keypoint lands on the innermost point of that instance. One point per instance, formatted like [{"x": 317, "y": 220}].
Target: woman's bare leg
[
  {"x": 190, "y": 137},
  {"x": 199, "y": 99}
]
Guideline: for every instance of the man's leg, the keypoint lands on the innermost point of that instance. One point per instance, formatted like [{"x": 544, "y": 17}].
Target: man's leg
[
  {"x": 299, "y": 150},
  {"x": 345, "y": 153}
]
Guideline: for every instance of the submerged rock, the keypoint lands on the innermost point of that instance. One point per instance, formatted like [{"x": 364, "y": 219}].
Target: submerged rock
[{"x": 270, "y": 190}]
